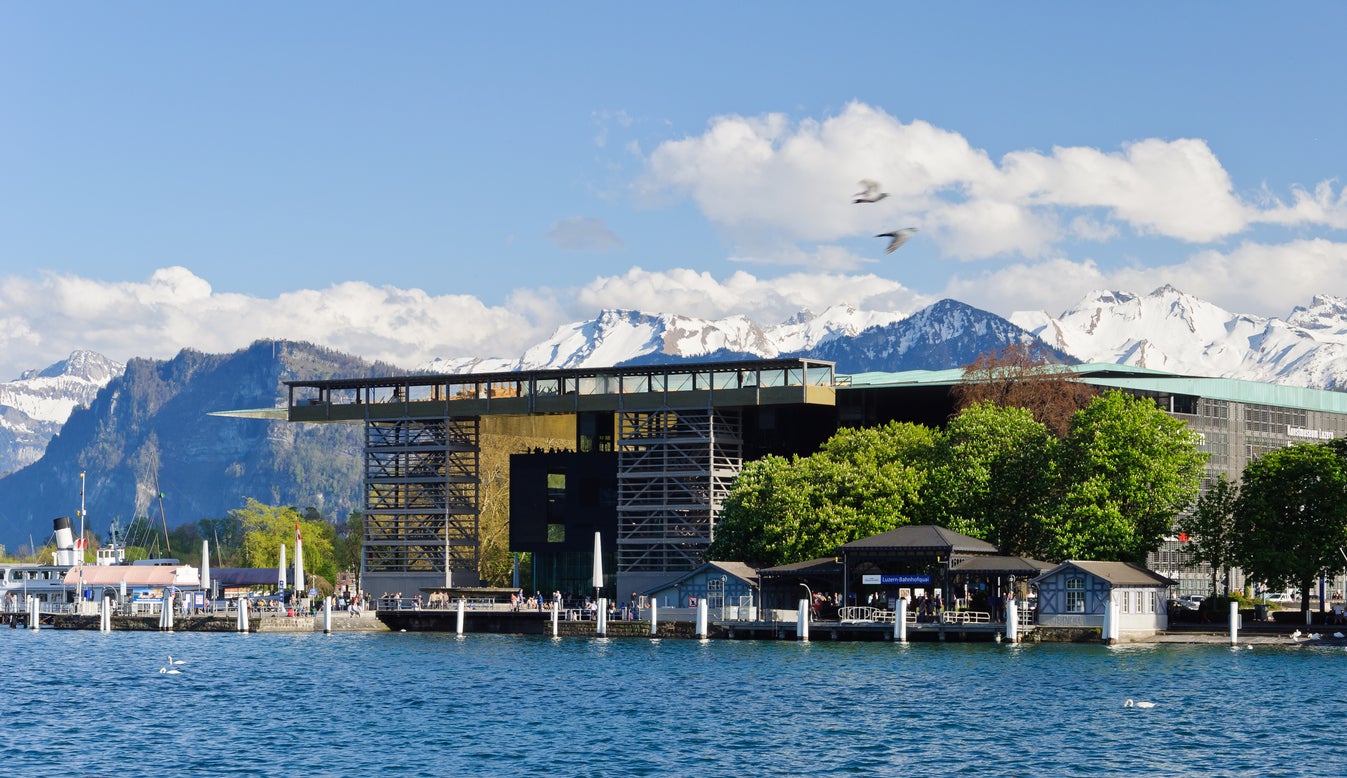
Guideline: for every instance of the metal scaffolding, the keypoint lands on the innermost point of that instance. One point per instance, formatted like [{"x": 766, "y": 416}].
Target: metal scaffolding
[
  {"x": 421, "y": 495},
  {"x": 674, "y": 470}
]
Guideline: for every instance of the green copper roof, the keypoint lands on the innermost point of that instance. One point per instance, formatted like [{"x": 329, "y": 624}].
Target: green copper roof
[{"x": 1139, "y": 379}]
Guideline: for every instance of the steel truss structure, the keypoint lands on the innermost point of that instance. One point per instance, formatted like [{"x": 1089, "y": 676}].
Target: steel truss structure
[
  {"x": 422, "y": 491},
  {"x": 674, "y": 470}
]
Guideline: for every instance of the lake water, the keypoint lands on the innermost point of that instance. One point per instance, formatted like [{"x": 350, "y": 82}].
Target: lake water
[{"x": 87, "y": 703}]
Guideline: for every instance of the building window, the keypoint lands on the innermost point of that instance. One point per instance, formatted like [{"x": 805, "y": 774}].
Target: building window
[
  {"x": 1075, "y": 595},
  {"x": 1126, "y": 601}
]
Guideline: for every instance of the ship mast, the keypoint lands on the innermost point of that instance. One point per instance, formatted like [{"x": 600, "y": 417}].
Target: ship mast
[{"x": 79, "y": 542}]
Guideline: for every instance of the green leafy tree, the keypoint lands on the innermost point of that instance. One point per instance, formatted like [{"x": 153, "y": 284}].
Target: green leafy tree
[
  {"x": 350, "y": 537},
  {"x": 763, "y": 520},
  {"x": 1291, "y": 516},
  {"x": 226, "y": 540},
  {"x": 1211, "y": 526},
  {"x": 861, "y": 482},
  {"x": 992, "y": 477},
  {"x": 1128, "y": 470},
  {"x": 267, "y": 527}
]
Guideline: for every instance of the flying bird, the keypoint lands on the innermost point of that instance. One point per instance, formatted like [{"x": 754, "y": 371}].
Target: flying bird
[
  {"x": 869, "y": 192},
  {"x": 898, "y": 238}
]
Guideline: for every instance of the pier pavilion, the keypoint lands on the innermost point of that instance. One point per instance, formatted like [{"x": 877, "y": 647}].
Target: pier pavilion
[{"x": 675, "y": 437}]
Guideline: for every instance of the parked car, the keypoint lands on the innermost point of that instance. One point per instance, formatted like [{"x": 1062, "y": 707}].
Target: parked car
[
  {"x": 1282, "y": 598},
  {"x": 1191, "y": 602}
]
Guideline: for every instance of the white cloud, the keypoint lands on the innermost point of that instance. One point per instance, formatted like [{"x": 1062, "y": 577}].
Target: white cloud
[
  {"x": 1253, "y": 278},
  {"x": 765, "y": 300},
  {"x": 768, "y": 178},
  {"x": 45, "y": 318},
  {"x": 54, "y": 314},
  {"x": 1317, "y": 207}
]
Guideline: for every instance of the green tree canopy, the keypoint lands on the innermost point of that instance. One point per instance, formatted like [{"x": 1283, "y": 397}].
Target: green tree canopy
[
  {"x": 992, "y": 477},
  {"x": 1128, "y": 470},
  {"x": 1111, "y": 490},
  {"x": 861, "y": 482},
  {"x": 267, "y": 527},
  {"x": 1211, "y": 526},
  {"x": 1291, "y": 516}
]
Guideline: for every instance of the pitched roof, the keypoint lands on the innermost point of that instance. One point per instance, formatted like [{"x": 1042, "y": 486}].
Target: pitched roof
[
  {"x": 920, "y": 537},
  {"x": 1115, "y": 573},
  {"x": 821, "y": 566},
  {"x": 739, "y": 570},
  {"x": 1002, "y": 564}
]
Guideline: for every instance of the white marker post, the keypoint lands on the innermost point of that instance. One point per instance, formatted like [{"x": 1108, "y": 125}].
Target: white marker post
[
  {"x": 556, "y": 617},
  {"x": 1234, "y": 623},
  {"x": 327, "y": 615},
  {"x": 802, "y": 621},
  {"x": 703, "y": 630},
  {"x": 33, "y": 612},
  {"x": 461, "y": 603},
  {"x": 900, "y": 620},
  {"x": 654, "y": 618},
  {"x": 1013, "y": 620}
]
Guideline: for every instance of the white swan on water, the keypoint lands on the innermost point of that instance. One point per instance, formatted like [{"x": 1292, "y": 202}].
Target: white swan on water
[
  {"x": 170, "y": 671},
  {"x": 1131, "y": 704},
  {"x": 173, "y": 661}
]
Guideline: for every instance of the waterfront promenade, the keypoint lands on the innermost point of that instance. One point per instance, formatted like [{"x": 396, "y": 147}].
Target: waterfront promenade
[{"x": 502, "y": 619}]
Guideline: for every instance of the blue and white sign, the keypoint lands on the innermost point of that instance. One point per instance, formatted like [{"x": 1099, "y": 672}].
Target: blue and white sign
[{"x": 906, "y": 579}]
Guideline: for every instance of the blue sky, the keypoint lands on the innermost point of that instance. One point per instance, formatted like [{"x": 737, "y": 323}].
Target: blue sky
[{"x": 412, "y": 180}]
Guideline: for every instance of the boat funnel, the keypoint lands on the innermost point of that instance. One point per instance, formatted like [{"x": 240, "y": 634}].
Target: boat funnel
[{"x": 65, "y": 542}]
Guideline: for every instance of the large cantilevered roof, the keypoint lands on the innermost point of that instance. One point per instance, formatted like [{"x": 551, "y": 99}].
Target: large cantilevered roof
[
  {"x": 1136, "y": 379},
  {"x": 790, "y": 381}
]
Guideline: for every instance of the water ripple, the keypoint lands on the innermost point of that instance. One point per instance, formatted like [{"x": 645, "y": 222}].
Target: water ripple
[{"x": 413, "y": 704}]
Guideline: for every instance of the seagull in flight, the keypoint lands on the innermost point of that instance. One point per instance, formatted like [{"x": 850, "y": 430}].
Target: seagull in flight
[
  {"x": 869, "y": 192},
  {"x": 898, "y": 238}
]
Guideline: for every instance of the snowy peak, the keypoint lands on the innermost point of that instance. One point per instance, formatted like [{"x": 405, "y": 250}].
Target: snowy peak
[
  {"x": 1164, "y": 330},
  {"x": 34, "y": 406},
  {"x": 1173, "y": 331},
  {"x": 52, "y": 393},
  {"x": 621, "y": 336},
  {"x": 82, "y": 365},
  {"x": 947, "y": 334}
]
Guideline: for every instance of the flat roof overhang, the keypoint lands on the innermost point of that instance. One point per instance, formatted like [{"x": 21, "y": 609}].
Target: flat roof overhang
[{"x": 650, "y": 387}]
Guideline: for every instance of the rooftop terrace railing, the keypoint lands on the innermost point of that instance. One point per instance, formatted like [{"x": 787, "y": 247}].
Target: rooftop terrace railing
[{"x": 619, "y": 381}]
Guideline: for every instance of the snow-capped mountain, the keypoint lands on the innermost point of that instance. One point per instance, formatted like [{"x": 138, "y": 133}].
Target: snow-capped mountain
[
  {"x": 945, "y": 335},
  {"x": 621, "y": 336},
  {"x": 34, "y": 406},
  {"x": 1173, "y": 331}
]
